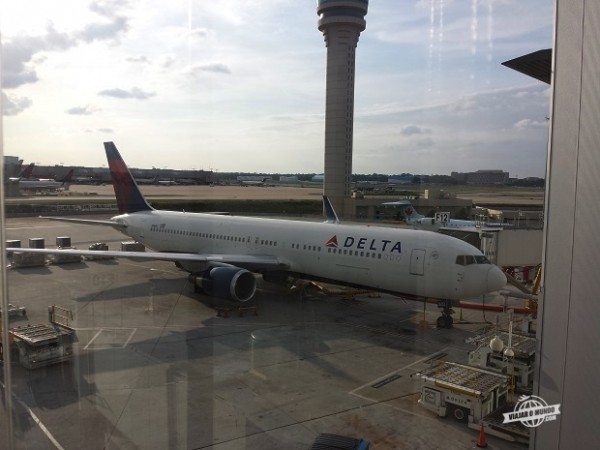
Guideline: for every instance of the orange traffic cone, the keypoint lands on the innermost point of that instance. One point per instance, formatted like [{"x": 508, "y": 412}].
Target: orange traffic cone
[{"x": 481, "y": 443}]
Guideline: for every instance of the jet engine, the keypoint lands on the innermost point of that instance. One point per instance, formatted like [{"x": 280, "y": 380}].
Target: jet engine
[{"x": 232, "y": 283}]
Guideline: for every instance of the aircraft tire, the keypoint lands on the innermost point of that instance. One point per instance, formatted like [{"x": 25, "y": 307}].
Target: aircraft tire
[{"x": 445, "y": 321}]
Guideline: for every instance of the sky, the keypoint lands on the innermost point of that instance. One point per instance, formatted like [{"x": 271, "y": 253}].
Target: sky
[{"x": 239, "y": 85}]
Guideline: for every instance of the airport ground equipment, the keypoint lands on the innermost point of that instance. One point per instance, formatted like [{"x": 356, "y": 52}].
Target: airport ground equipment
[
  {"x": 519, "y": 367},
  {"x": 132, "y": 246},
  {"x": 471, "y": 395},
  {"x": 40, "y": 345},
  {"x": 18, "y": 259},
  {"x": 101, "y": 247},
  {"x": 64, "y": 243},
  {"x": 15, "y": 311}
]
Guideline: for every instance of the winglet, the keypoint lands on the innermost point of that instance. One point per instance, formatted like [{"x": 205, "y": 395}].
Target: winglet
[
  {"x": 129, "y": 197},
  {"x": 329, "y": 211}
]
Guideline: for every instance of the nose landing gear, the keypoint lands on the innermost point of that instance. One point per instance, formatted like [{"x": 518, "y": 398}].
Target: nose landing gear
[{"x": 445, "y": 320}]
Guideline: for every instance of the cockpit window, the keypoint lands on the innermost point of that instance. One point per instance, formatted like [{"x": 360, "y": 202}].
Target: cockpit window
[
  {"x": 480, "y": 259},
  {"x": 466, "y": 260}
]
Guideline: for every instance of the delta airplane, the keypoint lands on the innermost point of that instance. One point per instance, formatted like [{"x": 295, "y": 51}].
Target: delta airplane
[
  {"x": 412, "y": 217},
  {"x": 223, "y": 253},
  {"x": 24, "y": 174},
  {"x": 45, "y": 184}
]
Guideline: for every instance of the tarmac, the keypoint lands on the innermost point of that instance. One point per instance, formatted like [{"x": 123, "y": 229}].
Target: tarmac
[
  {"x": 308, "y": 191},
  {"x": 158, "y": 366}
]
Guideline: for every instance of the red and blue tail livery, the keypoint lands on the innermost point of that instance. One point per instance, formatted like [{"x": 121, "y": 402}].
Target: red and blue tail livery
[{"x": 129, "y": 197}]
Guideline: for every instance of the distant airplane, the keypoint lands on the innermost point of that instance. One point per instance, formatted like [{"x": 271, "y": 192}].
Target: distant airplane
[
  {"x": 45, "y": 184},
  {"x": 260, "y": 182},
  {"x": 222, "y": 252},
  {"x": 156, "y": 180},
  {"x": 24, "y": 174},
  {"x": 442, "y": 221}
]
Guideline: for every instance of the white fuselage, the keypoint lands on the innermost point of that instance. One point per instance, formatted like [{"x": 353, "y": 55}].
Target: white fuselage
[
  {"x": 40, "y": 184},
  {"x": 404, "y": 262}
]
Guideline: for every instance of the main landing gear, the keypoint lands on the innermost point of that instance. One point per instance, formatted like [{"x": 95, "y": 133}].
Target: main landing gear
[{"x": 445, "y": 320}]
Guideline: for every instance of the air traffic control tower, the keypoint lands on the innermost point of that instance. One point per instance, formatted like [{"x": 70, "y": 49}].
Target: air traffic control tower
[{"x": 341, "y": 22}]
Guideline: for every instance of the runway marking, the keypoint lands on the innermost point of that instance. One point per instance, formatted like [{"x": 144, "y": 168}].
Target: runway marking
[
  {"x": 133, "y": 330},
  {"x": 36, "y": 420}
]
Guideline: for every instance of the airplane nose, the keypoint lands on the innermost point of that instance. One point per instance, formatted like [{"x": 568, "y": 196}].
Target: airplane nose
[{"x": 496, "y": 279}]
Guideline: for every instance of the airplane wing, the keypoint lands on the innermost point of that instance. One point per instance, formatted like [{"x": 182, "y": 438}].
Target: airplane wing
[
  {"x": 250, "y": 262},
  {"x": 110, "y": 223}
]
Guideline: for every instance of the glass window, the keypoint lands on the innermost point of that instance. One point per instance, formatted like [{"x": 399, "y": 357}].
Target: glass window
[{"x": 235, "y": 111}]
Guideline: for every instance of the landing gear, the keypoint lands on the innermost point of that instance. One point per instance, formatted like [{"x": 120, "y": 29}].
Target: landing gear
[{"x": 445, "y": 320}]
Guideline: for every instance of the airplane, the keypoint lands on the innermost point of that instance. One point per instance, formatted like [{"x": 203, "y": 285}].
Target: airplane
[
  {"x": 223, "y": 253},
  {"x": 260, "y": 182},
  {"x": 443, "y": 222},
  {"x": 24, "y": 174},
  {"x": 156, "y": 180},
  {"x": 45, "y": 184}
]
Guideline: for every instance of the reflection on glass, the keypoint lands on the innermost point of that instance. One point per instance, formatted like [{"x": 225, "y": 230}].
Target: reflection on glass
[{"x": 223, "y": 109}]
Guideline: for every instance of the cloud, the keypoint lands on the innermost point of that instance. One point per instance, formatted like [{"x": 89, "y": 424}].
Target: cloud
[
  {"x": 82, "y": 110},
  {"x": 107, "y": 8},
  {"x": 134, "y": 92},
  {"x": 425, "y": 142},
  {"x": 138, "y": 59},
  {"x": 106, "y": 130},
  {"x": 13, "y": 105},
  {"x": 528, "y": 123},
  {"x": 166, "y": 61},
  {"x": 198, "y": 33},
  {"x": 19, "y": 52},
  {"x": 212, "y": 67},
  {"x": 411, "y": 130},
  {"x": 106, "y": 30}
]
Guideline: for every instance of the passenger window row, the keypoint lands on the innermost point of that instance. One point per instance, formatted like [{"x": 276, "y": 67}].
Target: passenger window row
[
  {"x": 223, "y": 237},
  {"x": 361, "y": 254}
]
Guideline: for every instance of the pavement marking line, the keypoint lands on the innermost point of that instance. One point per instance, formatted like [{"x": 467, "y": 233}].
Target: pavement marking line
[
  {"x": 397, "y": 408},
  {"x": 130, "y": 337},
  {"x": 133, "y": 330},
  {"x": 92, "y": 340},
  {"x": 36, "y": 420}
]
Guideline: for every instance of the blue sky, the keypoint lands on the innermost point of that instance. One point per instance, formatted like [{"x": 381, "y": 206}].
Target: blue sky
[{"x": 238, "y": 85}]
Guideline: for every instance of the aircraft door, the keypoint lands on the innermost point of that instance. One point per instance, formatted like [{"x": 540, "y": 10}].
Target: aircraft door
[{"x": 417, "y": 262}]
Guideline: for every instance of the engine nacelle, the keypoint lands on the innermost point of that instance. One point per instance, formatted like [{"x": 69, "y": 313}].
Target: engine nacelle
[{"x": 232, "y": 283}]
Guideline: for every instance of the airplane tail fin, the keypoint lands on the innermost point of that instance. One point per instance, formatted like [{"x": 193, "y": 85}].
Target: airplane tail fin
[
  {"x": 409, "y": 212},
  {"x": 68, "y": 177},
  {"x": 129, "y": 197},
  {"x": 27, "y": 171}
]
